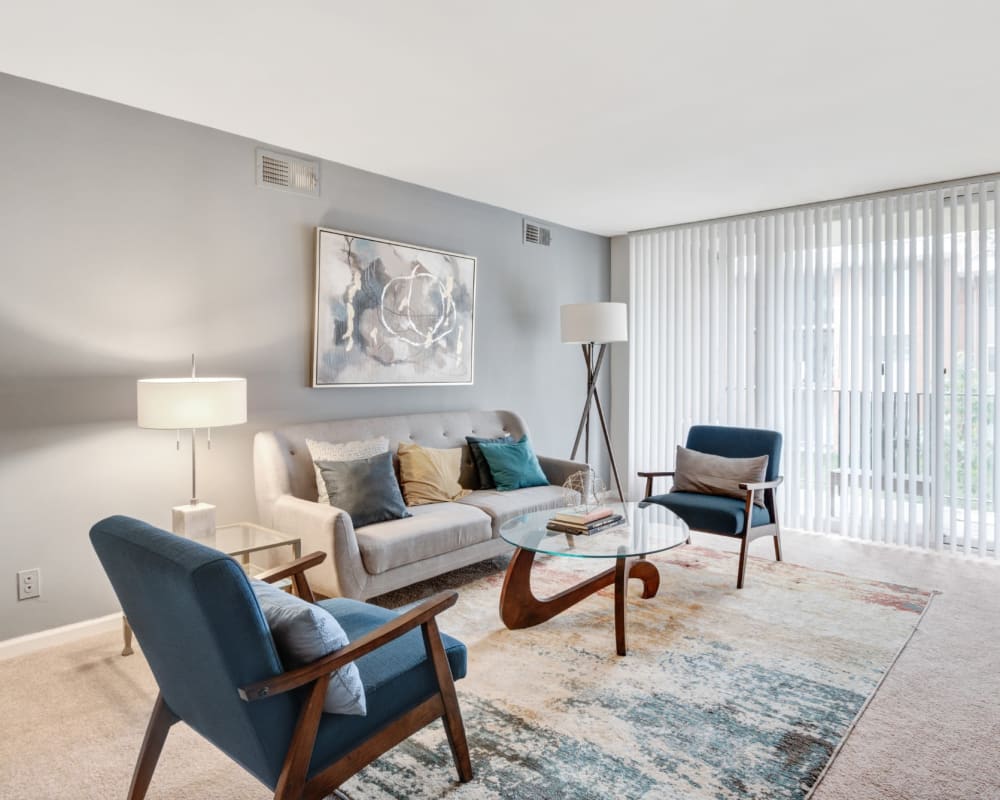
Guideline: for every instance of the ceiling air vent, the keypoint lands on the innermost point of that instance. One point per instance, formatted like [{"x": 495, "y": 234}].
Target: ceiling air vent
[
  {"x": 282, "y": 171},
  {"x": 536, "y": 234}
]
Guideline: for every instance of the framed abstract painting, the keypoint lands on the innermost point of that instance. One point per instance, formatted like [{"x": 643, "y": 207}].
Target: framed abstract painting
[{"x": 391, "y": 314}]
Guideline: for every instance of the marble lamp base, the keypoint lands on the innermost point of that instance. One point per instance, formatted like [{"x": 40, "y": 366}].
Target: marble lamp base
[{"x": 194, "y": 521}]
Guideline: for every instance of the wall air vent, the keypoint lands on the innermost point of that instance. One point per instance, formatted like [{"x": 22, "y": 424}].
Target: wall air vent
[
  {"x": 290, "y": 173},
  {"x": 536, "y": 234}
]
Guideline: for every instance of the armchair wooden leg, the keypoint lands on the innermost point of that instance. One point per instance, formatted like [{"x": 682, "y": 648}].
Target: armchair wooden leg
[
  {"x": 777, "y": 545},
  {"x": 292, "y": 781},
  {"x": 744, "y": 551},
  {"x": 453, "y": 725},
  {"x": 159, "y": 725}
]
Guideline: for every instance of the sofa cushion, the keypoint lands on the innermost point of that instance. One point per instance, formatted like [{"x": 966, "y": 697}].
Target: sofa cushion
[
  {"x": 482, "y": 468},
  {"x": 396, "y": 677},
  {"x": 713, "y": 513},
  {"x": 706, "y": 473},
  {"x": 366, "y": 489},
  {"x": 304, "y": 632},
  {"x": 502, "y": 506},
  {"x": 513, "y": 465},
  {"x": 341, "y": 451},
  {"x": 432, "y": 530},
  {"x": 430, "y": 474}
]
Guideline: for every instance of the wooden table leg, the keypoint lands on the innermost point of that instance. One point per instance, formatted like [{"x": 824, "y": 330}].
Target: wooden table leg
[
  {"x": 621, "y": 605},
  {"x": 645, "y": 571},
  {"x": 519, "y": 608}
]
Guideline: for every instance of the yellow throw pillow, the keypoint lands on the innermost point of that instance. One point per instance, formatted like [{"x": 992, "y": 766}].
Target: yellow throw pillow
[{"x": 428, "y": 475}]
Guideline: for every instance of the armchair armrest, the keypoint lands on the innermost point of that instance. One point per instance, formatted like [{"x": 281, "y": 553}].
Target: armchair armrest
[
  {"x": 329, "y": 530},
  {"x": 753, "y": 487},
  {"x": 296, "y": 571},
  {"x": 286, "y": 681},
  {"x": 649, "y": 479}
]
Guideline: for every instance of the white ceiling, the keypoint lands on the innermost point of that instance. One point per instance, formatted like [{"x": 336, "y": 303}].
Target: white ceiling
[{"x": 605, "y": 116}]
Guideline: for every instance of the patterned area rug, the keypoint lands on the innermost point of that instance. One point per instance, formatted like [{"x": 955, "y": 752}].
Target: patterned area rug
[{"x": 724, "y": 693}]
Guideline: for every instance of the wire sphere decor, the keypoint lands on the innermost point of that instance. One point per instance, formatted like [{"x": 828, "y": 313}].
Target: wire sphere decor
[{"x": 583, "y": 490}]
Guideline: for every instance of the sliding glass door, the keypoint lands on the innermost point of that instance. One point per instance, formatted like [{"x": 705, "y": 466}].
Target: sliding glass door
[{"x": 864, "y": 330}]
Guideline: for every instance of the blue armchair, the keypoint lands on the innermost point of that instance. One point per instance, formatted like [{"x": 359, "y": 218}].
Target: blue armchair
[
  {"x": 728, "y": 516},
  {"x": 201, "y": 630}
]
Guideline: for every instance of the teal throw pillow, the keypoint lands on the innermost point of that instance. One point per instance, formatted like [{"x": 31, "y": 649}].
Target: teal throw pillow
[
  {"x": 513, "y": 464},
  {"x": 482, "y": 468},
  {"x": 365, "y": 488}
]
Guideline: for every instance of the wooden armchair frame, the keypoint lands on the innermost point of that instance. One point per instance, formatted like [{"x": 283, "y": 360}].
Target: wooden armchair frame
[
  {"x": 750, "y": 532},
  {"x": 292, "y": 783}
]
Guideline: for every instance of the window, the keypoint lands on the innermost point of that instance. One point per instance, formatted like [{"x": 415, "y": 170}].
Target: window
[{"x": 864, "y": 330}]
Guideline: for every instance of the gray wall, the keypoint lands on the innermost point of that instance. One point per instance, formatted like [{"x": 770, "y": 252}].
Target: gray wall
[{"x": 129, "y": 240}]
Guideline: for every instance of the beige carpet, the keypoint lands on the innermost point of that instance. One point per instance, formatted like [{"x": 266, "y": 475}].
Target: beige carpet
[{"x": 931, "y": 731}]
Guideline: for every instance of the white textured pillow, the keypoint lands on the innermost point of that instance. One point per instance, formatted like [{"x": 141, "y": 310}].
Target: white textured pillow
[
  {"x": 304, "y": 632},
  {"x": 342, "y": 451}
]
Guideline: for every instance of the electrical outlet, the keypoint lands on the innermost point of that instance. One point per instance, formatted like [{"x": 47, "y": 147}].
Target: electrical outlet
[{"x": 29, "y": 583}]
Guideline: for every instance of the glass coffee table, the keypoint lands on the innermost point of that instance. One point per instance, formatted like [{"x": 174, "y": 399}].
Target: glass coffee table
[{"x": 648, "y": 528}]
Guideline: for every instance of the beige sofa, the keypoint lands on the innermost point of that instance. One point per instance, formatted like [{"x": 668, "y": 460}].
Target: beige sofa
[{"x": 387, "y": 555}]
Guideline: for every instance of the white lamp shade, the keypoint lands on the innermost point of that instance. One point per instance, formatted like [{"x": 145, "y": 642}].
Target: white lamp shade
[
  {"x": 594, "y": 322},
  {"x": 191, "y": 402}
]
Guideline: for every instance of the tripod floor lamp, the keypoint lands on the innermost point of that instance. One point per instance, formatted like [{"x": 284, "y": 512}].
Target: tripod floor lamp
[{"x": 589, "y": 324}]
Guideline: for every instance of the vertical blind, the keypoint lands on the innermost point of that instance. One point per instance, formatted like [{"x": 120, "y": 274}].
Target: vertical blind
[{"x": 864, "y": 330}]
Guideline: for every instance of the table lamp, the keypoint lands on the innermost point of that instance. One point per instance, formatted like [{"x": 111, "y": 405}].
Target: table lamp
[
  {"x": 588, "y": 324},
  {"x": 192, "y": 403}
]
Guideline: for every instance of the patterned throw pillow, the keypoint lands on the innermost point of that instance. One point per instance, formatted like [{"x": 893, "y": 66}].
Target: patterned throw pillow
[
  {"x": 342, "y": 451},
  {"x": 303, "y": 632},
  {"x": 430, "y": 475}
]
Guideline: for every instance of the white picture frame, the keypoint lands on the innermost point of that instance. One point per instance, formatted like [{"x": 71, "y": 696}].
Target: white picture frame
[{"x": 389, "y": 313}]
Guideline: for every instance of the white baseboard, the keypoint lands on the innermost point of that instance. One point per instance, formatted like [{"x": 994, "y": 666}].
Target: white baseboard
[{"x": 33, "y": 642}]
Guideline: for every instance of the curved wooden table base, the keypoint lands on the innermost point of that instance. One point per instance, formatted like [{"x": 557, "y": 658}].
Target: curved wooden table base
[{"x": 519, "y": 608}]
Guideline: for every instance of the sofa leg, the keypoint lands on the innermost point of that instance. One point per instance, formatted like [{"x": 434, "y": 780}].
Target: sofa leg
[
  {"x": 152, "y": 745},
  {"x": 744, "y": 548}
]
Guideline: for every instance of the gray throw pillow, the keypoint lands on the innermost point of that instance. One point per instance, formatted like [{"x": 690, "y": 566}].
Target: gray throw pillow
[
  {"x": 705, "y": 473},
  {"x": 304, "y": 632},
  {"x": 342, "y": 451},
  {"x": 366, "y": 489},
  {"x": 486, "y": 480}
]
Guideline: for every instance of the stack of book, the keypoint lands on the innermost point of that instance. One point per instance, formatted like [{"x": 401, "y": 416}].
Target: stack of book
[{"x": 585, "y": 522}]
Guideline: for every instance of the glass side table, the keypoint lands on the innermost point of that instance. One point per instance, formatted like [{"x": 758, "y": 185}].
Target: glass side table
[{"x": 241, "y": 540}]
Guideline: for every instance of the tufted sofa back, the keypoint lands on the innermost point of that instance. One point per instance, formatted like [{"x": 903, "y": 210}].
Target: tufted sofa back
[{"x": 281, "y": 458}]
